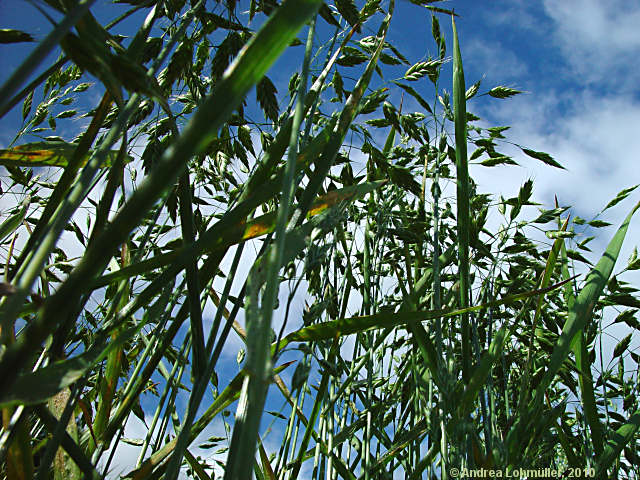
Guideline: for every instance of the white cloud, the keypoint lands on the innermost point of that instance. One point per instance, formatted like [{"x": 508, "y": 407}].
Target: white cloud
[{"x": 599, "y": 40}]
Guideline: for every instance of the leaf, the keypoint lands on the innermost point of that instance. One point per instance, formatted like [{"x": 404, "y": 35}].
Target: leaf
[
  {"x": 49, "y": 154},
  {"x": 435, "y": 9},
  {"x": 347, "y": 326},
  {"x": 622, "y": 346},
  {"x": 463, "y": 195},
  {"x": 13, "y": 222},
  {"x": 229, "y": 395},
  {"x": 503, "y": 92},
  {"x": 411, "y": 91},
  {"x": 619, "y": 439},
  {"x": 266, "y": 95},
  {"x": 543, "y": 157},
  {"x": 349, "y": 12},
  {"x": 620, "y": 196},
  {"x": 553, "y": 234},
  {"x": 598, "y": 223},
  {"x": 580, "y": 312},
  {"x": 276, "y": 414},
  {"x": 482, "y": 370},
  {"x": 36, "y": 387},
  {"x": 420, "y": 69},
  {"x": 26, "y": 106},
  {"x": 8, "y": 35}
]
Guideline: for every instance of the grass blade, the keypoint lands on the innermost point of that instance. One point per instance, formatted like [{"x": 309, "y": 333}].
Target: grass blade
[
  {"x": 581, "y": 311},
  {"x": 625, "y": 434},
  {"x": 462, "y": 197}
]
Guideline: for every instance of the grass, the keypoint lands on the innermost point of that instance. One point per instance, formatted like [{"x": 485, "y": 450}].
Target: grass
[{"x": 427, "y": 340}]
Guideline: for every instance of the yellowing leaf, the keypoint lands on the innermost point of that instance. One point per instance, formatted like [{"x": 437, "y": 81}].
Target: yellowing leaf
[{"x": 47, "y": 154}]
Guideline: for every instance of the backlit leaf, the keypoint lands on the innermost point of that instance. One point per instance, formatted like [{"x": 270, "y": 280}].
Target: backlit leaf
[
  {"x": 543, "y": 157},
  {"x": 8, "y": 35},
  {"x": 47, "y": 154}
]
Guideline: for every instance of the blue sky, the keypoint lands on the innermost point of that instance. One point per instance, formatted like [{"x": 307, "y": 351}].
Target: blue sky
[{"x": 575, "y": 60}]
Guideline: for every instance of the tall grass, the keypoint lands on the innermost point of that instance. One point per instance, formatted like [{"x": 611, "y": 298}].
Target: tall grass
[{"x": 414, "y": 338}]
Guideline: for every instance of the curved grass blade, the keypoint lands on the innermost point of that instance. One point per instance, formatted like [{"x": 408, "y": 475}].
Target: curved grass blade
[
  {"x": 258, "y": 319},
  {"x": 585, "y": 379},
  {"x": 620, "y": 438},
  {"x": 581, "y": 311},
  {"x": 348, "y": 326},
  {"x": 546, "y": 278}
]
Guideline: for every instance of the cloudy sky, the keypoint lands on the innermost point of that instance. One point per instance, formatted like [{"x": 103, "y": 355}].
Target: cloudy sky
[{"x": 576, "y": 61}]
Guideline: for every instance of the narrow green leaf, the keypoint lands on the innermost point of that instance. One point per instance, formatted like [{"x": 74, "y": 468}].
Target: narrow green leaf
[
  {"x": 462, "y": 196},
  {"x": 49, "y": 154},
  {"x": 36, "y": 387},
  {"x": 620, "y": 438},
  {"x": 13, "y": 222},
  {"x": 411, "y": 91},
  {"x": 8, "y": 35},
  {"x": 543, "y": 157},
  {"x": 503, "y": 92},
  {"x": 348, "y": 326},
  {"x": 349, "y": 12},
  {"x": 247, "y": 69},
  {"x": 620, "y": 196},
  {"x": 581, "y": 311}
]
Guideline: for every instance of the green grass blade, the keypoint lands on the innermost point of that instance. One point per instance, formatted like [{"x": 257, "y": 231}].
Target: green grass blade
[
  {"x": 348, "y": 326},
  {"x": 312, "y": 418},
  {"x": 585, "y": 379},
  {"x": 49, "y": 154},
  {"x": 346, "y": 118},
  {"x": 462, "y": 196},
  {"x": 258, "y": 318},
  {"x": 620, "y": 438},
  {"x": 222, "y": 235},
  {"x": 546, "y": 278},
  {"x": 11, "y": 224},
  {"x": 482, "y": 370},
  {"x": 229, "y": 395},
  {"x": 187, "y": 226},
  {"x": 581, "y": 311}
]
